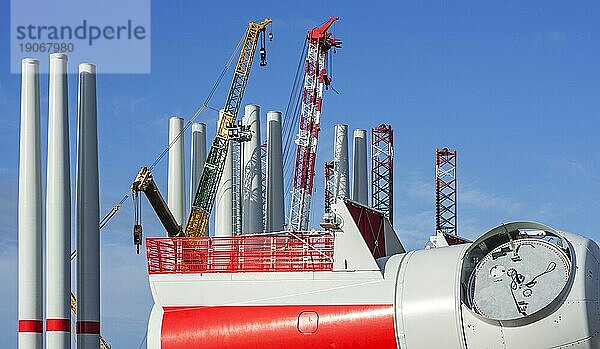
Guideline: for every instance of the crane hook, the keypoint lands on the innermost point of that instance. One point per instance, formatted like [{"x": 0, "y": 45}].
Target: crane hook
[
  {"x": 263, "y": 57},
  {"x": 263, "y": 50},
  {"x": 137, "y": 226}
]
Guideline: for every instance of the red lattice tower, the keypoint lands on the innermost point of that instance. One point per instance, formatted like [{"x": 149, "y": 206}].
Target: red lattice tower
[
  {"x": 329, "y": 186},
  {"x": 445, "y": 191},
  {"x": 315, "y": 78},
  {"x": 382, "y": 170}
]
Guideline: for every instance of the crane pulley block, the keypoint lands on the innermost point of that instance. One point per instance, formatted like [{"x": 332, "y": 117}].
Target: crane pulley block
[{"x": 144, "y": 182}]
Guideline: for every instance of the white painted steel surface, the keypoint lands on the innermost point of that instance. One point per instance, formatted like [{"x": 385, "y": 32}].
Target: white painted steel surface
[
  {"x": 341, "y": 173},
  {"x": 423, "y": 286},
  {"x": 58, "y": 205},
  {"x": 198, "y": 156},
  {"x": 428, "y": 299},
  {"x": 30, "y": 205},
  {"x": 176, "y": 175},
  {"x": 360, "y": 189},
  {"x": 88, "y": 205},
  {"x": 275, "y": 196},
  {"x": 224, "y": 196},
  {"x": 252, "y": 205},
  {"x": 154, "y": 332}
]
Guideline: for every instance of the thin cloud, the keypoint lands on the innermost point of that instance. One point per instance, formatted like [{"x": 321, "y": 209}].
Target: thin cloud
[
  {"x": 554, "y": 35},
  {"x": 549, "y": 36},
  {"x": 421, "y": 190},
  {"x": 486, "y": 201},
  {"x": 553, "y": 210},
  {"x": 414, "y": 229}
]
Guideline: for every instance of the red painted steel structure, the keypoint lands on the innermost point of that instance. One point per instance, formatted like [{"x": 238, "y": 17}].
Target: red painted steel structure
[
  {"x": 33, "y": 326},
  {"x": 245, "y": 253},
  {"x": 61, "y": 325},
  {"x": 445, "y": 191},
  {"x": 319, "y": 43},
  {"x": 382, "y": 170},
  {"x": 455, "y": 239},
  {"x": 370, "y": 225},
  {"x": 279, "y": 326}
]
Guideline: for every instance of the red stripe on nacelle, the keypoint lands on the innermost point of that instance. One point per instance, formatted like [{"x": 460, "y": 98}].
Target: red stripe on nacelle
[
  {"x": 88, "y": 327},
  {"x": 270, "y": 327},
  {"x": 62, "y": 325},
  {"x": 35, "y": 326}
]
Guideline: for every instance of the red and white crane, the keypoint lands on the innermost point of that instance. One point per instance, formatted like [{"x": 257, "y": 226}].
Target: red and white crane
[{"x": 315, "y": 77}]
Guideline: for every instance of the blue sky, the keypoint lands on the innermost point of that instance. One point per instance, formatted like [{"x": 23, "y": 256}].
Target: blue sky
[{"x": 512, "y": 85}]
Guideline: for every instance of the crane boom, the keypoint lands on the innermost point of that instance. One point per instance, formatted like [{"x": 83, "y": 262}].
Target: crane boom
[
  {"x": 319, "y": 42},
  {"x": 145, "y": 183},
  {"x": 215, "y": 162}
]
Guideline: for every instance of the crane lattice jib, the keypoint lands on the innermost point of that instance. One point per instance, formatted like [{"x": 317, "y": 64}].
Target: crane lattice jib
[
  {"x": 215, "y": 162},
  {"x": 319, "y": 42}
]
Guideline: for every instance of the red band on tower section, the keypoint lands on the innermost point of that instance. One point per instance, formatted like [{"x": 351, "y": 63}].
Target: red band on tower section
[
  {"x": 88, "y": 327},
  {"x": 62, "y": 325},
  {"x": 33, "y": 326}
]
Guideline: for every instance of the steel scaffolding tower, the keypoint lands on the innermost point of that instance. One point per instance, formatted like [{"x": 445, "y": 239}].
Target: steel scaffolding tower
[
  {"x": 445, "y": 191},
  {"x": 236, "y": 187},
  {"x": 263, "y": 179},
  {"x": 329, "y": 186},
  {"x": 382, "y": 170}
]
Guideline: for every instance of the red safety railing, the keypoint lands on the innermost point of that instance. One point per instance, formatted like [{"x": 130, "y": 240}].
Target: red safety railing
[{"x": 286, "y": 252}]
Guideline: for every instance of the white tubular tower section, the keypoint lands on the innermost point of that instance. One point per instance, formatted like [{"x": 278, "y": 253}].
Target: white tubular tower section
[
  {"x": 30, "y": 210},
  {"x": 224, "y": 197},
  {"x": 360, "y": 189},
  {"x": 252, "y": 206},
  {"x": 275, "y": 207},
  {"x": 340, "y": 162},
  {"x": 198, "y": 156},
  {"x": 58, "y": 210},
  {"x": 88, "y": 213},
  {"x": 176, "y": 175}
]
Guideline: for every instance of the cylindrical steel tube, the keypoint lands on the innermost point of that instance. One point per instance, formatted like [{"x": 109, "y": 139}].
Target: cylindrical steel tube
[
  {"x": 274, "y": 194},
  {"x": 58, "y": 210},
  {"x": 30, "y": 210},
  {"x": 176, "y": 175},
  {"x": 88, "y": 207}
]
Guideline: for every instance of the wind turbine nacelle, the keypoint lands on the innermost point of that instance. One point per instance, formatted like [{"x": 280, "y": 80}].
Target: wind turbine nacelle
[{"x": 521, "y": 285}]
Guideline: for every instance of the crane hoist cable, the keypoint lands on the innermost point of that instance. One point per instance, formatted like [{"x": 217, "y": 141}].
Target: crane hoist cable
[
  {"x": 243, "y": 62},
  {"x": 290, "y": 119},
  {"x": 113, "y": 211},
  {"x": 227, "y": 130}
]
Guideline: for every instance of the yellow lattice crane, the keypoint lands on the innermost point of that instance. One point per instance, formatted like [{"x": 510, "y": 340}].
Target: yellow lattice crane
[
  {"x": 227, "y": 130},
  {"x": 215, "y": 161}
]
